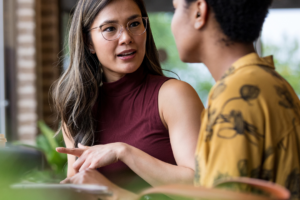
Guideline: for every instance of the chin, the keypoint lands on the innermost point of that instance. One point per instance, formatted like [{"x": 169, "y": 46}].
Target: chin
[
  {"x": 185, "y": 57},
  {"x": 130, "y": 68},
  {"x": 188, "y": 57}
]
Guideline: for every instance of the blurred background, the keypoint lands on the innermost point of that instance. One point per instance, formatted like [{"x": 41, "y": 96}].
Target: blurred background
[{"x": 33, "y": 54}]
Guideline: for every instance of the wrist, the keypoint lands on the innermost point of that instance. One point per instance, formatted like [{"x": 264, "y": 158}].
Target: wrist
[{"x": 122, "y": 151}]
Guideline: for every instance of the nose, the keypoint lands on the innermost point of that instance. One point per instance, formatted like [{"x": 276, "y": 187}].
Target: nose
[{"x": 126, "y": 37}]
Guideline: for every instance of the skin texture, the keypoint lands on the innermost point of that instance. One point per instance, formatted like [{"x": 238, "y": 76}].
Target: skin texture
[
  {"x": 114, "y": 68},
  {"x": 205, "y": 38},
  {"x": 179, "y": 109}
]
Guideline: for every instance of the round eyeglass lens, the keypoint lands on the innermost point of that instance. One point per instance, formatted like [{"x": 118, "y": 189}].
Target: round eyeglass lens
[
  {"x": 137, "y": 26},
  {"x": 111, "y": 31}
]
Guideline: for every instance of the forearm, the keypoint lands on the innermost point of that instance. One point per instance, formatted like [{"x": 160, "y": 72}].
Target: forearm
[
  {"x": 121, "y": 194},
  {"x": 154, "y": 171}
]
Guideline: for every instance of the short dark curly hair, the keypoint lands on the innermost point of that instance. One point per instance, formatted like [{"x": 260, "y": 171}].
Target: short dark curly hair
[{"x": 240, "y": 20}]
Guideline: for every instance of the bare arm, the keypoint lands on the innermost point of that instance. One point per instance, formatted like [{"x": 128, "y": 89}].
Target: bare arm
[{"x": 180, "y": 109}]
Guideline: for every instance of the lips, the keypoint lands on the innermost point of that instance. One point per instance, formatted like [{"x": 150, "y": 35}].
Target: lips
[{"x": 127, "y": 53}]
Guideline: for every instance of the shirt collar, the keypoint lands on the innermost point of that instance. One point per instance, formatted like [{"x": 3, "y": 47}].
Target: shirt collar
[
  {"x": 254, "y": 59},
  {"x": 251, "y": 59}
]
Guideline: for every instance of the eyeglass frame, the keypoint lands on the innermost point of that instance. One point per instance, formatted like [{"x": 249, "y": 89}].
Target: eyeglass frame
[{"x": 122, "y": 28}]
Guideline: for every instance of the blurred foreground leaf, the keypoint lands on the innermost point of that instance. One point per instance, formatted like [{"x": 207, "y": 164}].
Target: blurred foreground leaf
[{"x": 48, "y": 143}]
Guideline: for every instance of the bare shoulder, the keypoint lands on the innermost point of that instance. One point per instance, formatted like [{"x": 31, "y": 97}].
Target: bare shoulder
[
  {"x": 178, "y": 90},
  {"x": 178, "y": 100}
]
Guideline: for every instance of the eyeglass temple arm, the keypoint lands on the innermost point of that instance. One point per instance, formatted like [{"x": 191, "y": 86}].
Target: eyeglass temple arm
[{"x": 94, "y": 28}]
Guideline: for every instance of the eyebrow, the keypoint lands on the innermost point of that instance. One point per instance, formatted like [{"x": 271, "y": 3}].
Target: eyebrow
[{"x": 116, "y": 21}]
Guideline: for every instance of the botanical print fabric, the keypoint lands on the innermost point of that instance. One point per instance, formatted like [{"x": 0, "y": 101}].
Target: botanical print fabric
[{"x": 251, "y": 128}]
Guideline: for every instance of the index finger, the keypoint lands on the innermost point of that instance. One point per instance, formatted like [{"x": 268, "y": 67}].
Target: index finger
[{"x": 72, "y": 151}]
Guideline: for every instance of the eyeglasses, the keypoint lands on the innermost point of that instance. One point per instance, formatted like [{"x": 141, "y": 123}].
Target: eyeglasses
[{"x": 113, "y": 31}]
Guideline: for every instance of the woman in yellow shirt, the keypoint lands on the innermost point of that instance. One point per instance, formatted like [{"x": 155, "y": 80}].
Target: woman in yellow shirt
[{"x": 251, "y": 127}]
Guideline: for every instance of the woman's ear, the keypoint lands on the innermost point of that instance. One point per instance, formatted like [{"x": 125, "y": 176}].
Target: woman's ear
[
  {"x": 201, "y": 12},
  {"x": 88, "y": 40},
  {"x": 92, "y": 49}
]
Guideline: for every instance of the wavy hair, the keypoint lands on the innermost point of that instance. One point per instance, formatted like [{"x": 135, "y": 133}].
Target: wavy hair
[{"x": 76, "y": 92}]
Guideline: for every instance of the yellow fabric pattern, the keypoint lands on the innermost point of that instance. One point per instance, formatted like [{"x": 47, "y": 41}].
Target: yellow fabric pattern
[{"x": 251, "y": 127}]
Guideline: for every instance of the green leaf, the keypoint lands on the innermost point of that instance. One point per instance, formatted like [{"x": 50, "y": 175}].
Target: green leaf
[
  {"x": 43, "y": 143},
  {"x": 49, "y": 134},
  {"x": 48, "y": 143}
]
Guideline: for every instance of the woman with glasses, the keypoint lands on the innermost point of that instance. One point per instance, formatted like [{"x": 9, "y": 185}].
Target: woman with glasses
[{"x": 121, "y": 116}]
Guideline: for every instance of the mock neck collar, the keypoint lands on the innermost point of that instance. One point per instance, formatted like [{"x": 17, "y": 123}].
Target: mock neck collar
[{"x": 126, "y": 84}]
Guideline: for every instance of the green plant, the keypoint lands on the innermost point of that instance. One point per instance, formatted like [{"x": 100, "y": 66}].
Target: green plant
[{"x": 48, "y": 143}]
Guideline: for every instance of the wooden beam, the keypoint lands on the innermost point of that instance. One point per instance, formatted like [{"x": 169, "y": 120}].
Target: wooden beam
[
  {"x": 286, "y": 4},
  {"x": 167, "y": 6},
  {"x": 151, "y": 5},
  {"x": 159, "y": 5}
]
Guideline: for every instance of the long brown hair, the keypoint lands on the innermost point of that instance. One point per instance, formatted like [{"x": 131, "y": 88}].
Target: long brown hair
[{"x": 76, "y": 92}]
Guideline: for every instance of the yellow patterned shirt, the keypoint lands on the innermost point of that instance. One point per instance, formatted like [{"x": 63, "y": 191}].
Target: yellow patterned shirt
[{"x": 251, "y": 127}]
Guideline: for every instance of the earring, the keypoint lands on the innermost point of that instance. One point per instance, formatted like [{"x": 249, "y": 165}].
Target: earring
[{"x": 198, "y": 15}]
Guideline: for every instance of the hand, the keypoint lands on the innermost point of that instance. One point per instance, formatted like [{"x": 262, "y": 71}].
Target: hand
[
  {"x": 96, "y": 156},
  {"x": 88, "y": 176},
  {"x": 92, "y": 176}
]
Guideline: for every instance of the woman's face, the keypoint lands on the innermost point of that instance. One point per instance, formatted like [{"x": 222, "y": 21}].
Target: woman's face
[
  {"x": 113, "y": 55},
  {"x": 183, "y": 31}
]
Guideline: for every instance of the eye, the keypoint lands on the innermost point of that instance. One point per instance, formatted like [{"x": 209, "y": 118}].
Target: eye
[
  {"x": 135, "y": 24},
  {"x": 109, "y": 29}
]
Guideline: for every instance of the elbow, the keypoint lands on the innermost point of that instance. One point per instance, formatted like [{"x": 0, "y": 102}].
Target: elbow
[{"x": 189, "y": 177}]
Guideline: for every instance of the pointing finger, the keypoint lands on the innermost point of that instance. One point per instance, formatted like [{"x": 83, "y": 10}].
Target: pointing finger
[{"x": 72, "y": 151}]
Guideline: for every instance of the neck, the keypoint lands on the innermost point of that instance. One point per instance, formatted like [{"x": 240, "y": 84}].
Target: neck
[
  {"x": 219, "y": 58},
  {"x": 111, "y": 76}
]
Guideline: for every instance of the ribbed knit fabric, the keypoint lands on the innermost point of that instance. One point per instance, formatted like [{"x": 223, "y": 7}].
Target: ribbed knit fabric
[{"x": 127, "y": 111}]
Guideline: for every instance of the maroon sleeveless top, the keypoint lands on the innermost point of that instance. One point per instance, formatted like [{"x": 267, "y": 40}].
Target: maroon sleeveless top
[{"x": 127, "y": 111}]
